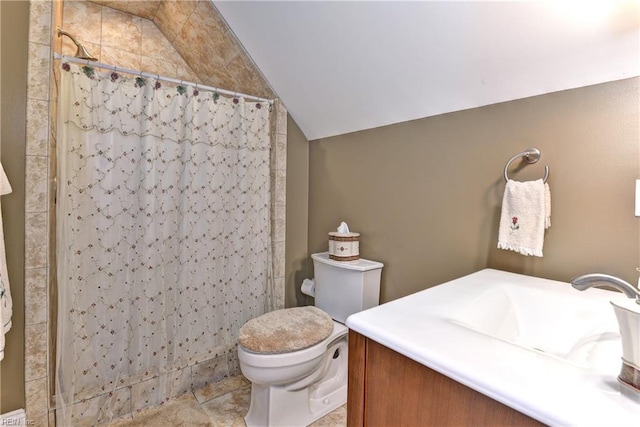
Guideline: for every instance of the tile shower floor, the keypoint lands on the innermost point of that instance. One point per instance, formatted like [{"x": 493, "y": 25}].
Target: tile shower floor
[{"x": 221, "y": 404}]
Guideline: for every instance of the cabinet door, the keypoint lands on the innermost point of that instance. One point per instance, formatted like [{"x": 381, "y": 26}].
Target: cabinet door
[{"x": 398, "y": 391}]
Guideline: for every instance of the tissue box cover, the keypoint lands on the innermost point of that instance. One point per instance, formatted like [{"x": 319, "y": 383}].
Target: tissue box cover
[{"x": 344, "y": 246}]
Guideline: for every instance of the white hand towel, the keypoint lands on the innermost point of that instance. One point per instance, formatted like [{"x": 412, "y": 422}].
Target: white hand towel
[
  {"x": 547, "y": 206},
  {"x": 5, "y": 294},
  {"x": 526, "y": 213}
]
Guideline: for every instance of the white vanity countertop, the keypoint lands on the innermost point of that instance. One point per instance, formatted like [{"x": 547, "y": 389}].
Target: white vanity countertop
[{"x": 426, "y": 327}]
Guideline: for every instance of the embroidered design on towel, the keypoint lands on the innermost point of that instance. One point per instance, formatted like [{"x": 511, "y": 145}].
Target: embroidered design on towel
[{"x": 514, "y": 224}]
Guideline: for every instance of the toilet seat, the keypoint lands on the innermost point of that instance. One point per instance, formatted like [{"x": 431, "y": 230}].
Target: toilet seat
[{"x": 285, "y": 331}]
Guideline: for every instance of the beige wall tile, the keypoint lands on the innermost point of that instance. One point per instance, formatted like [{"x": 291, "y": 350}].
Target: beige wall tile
[
  {"x": 222, "y": 79},
  {"x": 172, "y": 15},
  {"x": 154, "y": 44},
  {"x": 122, "y": 5},
  {"x": 35, "y": 288},
  {"x": 158, "y": 56},
  {"x": 37, "y": 127},
  {"x": 121, "y": 31},
  {"x": 239, "y": 67},
  {"x": 246, "y": 77},
  {"x": 184, "y": 72},
  {"x": 158, "y": 66},
  {"x": 281, "y": 151},
  {"x": 38, "y": 71},
  {"x": 281, "y": 118},
  {"x": 40, "y": 22},
  {"x": 280, "y": 189},
  {"x": 36, "y": 398},
  {"x": 280, "y": 297},
  {"x": 201, "y": 37},
  {"x": 83, "y": 20},
  {"x": 120, "y": 58},
  {"x": 278, "y": 259},
  {"x": 36, "y": 199},
  {"x": 35, "y": 351},
  {"x": 279, "y": 223},
  {"x": 144, "y": 9},
  {"x": 35, "y": 240}
]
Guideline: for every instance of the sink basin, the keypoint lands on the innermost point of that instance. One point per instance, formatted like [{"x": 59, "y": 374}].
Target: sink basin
[{"x": 584, "y": 333}]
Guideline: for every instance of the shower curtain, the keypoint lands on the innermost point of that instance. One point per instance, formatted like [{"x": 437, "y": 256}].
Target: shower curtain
[{"x": 163, "y": 234}]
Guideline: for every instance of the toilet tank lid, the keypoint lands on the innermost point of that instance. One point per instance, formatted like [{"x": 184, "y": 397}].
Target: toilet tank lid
[{"x": 359, "y": 264}]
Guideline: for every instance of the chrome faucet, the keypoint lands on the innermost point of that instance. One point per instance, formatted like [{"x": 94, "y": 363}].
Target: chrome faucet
[{"x": 590, "y": 280}]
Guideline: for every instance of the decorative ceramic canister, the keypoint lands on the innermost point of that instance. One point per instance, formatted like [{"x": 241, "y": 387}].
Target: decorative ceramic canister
[{"x": 344, "y": 246}]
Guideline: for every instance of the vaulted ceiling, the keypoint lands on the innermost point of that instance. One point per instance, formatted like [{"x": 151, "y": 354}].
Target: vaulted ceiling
[{"x": 345, "y": 66}]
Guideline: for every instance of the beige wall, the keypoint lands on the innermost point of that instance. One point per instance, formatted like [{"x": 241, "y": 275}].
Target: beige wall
[
  {"x": 14, "y": 16},
  {"x": 426, "y": 194},
  {"x": 297, "y": 216}
]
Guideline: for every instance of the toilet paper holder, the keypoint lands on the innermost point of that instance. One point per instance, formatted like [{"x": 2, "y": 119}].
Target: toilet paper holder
[{"x": 308, "y": 287}]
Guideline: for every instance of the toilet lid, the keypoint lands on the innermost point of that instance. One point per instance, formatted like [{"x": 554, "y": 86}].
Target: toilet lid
[{"x": 286, "y": 330}]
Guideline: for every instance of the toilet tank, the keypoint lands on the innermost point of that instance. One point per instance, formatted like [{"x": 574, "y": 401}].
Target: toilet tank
[{"x": 345, "y": 287}]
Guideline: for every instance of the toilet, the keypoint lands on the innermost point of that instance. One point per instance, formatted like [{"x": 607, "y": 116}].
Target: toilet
[{"x": 296, "y": 358}]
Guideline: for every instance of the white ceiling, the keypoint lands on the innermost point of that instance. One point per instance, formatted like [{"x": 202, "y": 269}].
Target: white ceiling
[{"x": 341, "y": 66}]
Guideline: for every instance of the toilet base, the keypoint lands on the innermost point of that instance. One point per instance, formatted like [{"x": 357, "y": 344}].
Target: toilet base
[
  {"x": 283, "y": 406},
  {"x": 274, "y": 406}
]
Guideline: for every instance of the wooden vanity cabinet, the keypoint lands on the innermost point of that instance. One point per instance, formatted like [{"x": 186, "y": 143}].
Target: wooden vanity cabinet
[{"x": 388, "y": 389}]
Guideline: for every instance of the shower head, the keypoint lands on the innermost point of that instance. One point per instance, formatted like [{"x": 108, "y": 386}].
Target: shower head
[{"x": 81, "y": 52}]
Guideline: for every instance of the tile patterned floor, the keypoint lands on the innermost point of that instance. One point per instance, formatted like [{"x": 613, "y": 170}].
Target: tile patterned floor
[{"x": 222, "y": 404}]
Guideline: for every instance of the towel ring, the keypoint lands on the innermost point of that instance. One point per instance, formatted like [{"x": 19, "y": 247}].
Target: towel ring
[{"x": 531, "y": 156}]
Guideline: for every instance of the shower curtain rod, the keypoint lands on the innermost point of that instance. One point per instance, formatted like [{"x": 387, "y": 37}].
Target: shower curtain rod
[{"x": 157, "y": 77}]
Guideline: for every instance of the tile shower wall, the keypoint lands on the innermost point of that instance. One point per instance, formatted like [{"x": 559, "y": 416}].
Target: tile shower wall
[
  {"x": 129, "y": 41},
  {"x": 122, "y": 39}
]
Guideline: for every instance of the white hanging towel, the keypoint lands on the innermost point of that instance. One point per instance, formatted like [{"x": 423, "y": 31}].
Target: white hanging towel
[
  {"x": 5, "y": 294},
  {"x": 526, "y": 213}
]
